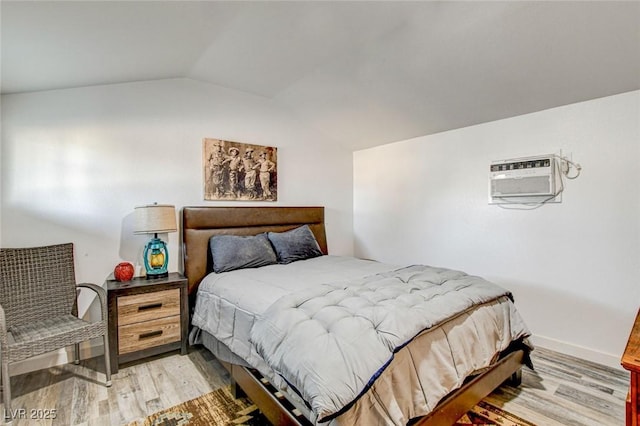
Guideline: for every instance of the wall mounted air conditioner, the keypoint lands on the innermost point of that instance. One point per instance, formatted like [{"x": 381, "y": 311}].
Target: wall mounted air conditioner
[{"x": 523, "y": 177}]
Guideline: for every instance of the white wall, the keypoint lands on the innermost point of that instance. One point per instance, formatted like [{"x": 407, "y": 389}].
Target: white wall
[
  {"x": 573, "y": 267},
  {"x": 76, "y": 162},
  {"x": 1, "y": 132}
]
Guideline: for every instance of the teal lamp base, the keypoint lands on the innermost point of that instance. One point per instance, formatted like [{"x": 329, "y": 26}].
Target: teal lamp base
[{"x": 156, "y": 258}]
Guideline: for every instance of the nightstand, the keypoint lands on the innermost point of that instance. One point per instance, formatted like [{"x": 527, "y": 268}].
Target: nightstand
[{"x": 147, "y": 317}]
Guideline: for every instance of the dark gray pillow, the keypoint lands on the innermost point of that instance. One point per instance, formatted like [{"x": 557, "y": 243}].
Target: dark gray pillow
[
  {"x": 297, "y": 244},
  {"x": 230, "y": 252}
]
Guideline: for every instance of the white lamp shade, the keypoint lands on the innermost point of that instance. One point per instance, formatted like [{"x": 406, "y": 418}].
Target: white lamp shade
[{"x": 155, "y": 219}]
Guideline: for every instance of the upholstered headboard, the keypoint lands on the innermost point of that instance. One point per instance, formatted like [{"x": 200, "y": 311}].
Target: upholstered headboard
[{"x": 201, "y": 223}]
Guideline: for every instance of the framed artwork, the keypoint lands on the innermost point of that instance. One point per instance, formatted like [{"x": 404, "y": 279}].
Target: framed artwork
[{"x": 239, "y": 171}]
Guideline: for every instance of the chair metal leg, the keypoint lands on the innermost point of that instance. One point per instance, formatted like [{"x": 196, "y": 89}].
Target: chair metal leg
[
  {"x": 76, "y": 350},
  {"x": 6, "y": 392},
  {"x": 107, "y": 360}
]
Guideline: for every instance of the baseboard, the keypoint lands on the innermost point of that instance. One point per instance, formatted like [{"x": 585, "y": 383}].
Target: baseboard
[
  {"x": 52, "y": 359},
  {"x": 610, "y": 360}
]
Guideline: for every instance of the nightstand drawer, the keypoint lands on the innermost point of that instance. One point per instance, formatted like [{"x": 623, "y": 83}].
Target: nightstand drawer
[
  {"x": 143, "y": 335},
  {"x": 148, "y": 306}
]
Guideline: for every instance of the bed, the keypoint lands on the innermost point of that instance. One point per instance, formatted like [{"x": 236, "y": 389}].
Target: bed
[{"x": 268, "y": 376}]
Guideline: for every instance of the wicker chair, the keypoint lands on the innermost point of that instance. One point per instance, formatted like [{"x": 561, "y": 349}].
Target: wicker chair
[{"x": 38, "y": 309}]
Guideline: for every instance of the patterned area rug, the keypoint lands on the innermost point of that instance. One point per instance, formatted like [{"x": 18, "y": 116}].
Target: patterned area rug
[
  {"x": 215, "y": 408},
  {"x": 487, "y": 414},
  {"x": 220, "y": 408}
]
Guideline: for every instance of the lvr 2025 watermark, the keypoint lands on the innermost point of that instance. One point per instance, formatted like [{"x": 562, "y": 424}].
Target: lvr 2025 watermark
[{"x": 31, "y": 414}]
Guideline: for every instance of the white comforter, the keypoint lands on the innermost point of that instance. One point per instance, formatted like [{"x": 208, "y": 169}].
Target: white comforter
[
  {"x": 234, "y": 307},
  {"x": 228, "y": 303}
]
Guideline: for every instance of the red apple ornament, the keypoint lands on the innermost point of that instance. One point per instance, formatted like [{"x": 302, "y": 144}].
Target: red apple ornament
[{"x": 123, "y": 271}]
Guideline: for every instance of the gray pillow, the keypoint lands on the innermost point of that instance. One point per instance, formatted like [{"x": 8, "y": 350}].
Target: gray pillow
[
  {"x": 297, "y": 244},
  {"x": 230, "y": 252}
]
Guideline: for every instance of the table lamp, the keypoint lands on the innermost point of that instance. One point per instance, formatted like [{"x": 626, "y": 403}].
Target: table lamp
[{"x": 155, "y": 219}]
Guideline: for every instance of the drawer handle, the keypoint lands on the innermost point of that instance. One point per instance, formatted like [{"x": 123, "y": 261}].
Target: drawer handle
[
  {"x": 150, "y": 306},
  {"x": 150, "y": 334}
]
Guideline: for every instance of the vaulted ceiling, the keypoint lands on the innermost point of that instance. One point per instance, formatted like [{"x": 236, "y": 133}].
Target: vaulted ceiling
[{"x": 365, "y": 73}]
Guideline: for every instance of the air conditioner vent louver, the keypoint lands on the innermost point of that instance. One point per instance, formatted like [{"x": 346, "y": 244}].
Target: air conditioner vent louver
[{"x": 523, "y": 177}]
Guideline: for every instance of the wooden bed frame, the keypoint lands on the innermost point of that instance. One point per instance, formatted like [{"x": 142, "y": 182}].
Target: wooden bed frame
[{"x": 200, "y": 223}]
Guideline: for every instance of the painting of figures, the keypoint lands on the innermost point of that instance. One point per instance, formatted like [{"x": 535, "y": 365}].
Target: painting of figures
[{"x": 239, "y": 171}]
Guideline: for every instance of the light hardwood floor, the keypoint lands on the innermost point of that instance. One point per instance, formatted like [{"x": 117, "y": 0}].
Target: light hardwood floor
[{"x": 561, "y": 391}]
